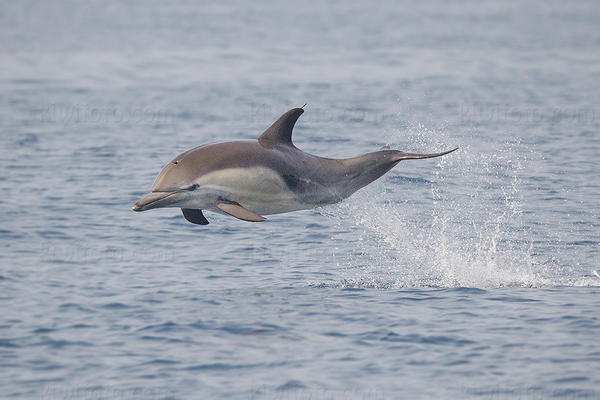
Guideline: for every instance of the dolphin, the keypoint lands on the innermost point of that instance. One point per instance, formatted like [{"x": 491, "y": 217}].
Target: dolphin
[{"x": 251, "y": 178}]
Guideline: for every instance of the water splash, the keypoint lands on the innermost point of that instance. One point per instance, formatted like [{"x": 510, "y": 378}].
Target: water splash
[{"x": 464, "y": 226}]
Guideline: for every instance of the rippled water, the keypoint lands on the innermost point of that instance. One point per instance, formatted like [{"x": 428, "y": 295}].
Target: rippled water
[{"x": 468, "y": 276}]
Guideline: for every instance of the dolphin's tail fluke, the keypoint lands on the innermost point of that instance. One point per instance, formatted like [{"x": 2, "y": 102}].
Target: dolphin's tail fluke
[{"x": 415, "y": 156}]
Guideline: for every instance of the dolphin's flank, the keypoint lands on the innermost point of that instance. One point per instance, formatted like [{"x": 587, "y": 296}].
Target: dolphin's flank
[{"x": 250, "y": 178}]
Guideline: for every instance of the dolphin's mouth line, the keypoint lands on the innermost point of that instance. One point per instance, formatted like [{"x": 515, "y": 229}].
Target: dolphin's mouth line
[
  {"x": 167, "y": 195},
  {"x": 155, "y": 196},
  {"x": 141, "y": 206}
]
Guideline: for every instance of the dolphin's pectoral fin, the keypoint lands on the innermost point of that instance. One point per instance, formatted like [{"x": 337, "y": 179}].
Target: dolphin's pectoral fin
[
  {"x": 194, "y": 216},
  {"x": 236, "y": 210}
]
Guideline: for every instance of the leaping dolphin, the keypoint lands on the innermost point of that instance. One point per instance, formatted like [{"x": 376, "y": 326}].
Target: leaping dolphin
[{"x": 250, "y": 178}]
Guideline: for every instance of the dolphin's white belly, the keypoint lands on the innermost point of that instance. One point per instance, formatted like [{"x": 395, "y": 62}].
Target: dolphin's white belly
[{"x": 259, "y": 189}]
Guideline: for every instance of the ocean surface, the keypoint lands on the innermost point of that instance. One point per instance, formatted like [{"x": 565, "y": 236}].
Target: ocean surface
[{"x": 466, "y": 276}]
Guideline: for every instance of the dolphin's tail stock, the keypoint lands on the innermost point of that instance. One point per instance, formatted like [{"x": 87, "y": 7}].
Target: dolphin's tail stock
[{"x": 415, "y": 156}]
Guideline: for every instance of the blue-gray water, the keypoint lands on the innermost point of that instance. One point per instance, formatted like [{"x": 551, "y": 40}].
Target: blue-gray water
[{"x": 468, "y": 276}]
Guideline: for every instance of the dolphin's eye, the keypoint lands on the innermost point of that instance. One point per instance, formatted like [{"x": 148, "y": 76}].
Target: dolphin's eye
[
  {"x": 175, "y": 162},
  {"x": 193, "y": 187}
]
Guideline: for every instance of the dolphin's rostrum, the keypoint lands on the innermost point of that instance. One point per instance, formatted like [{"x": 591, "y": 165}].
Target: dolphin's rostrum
[{"x": 251, "y": 178}]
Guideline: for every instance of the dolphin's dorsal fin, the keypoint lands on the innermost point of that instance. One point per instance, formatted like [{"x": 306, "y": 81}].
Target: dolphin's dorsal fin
[{"x": 281, "y": 130}]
